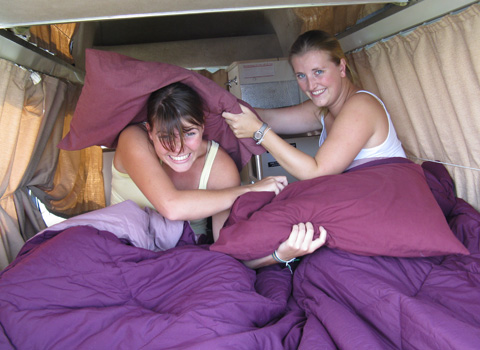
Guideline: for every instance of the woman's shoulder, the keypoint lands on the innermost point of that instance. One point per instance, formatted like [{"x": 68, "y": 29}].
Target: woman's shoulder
[
  {"x": 364, "y": 102},
  {"x": 367, "y": 97},
  {"x": 224, "y": 170},
  {"x": 222, "y": 155},
  {"x": 134, "y": 133},
  {"x": 134, "y": 129},
  {"x": 133, "y": 142}
]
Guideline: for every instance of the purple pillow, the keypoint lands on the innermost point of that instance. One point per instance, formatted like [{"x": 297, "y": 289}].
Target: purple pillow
[
  {"x": 385, "y": 209},
  {"x": 115, "y": 93}
]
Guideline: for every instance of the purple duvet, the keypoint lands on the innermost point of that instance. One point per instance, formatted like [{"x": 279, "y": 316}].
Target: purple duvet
[
  {"x": 396, "y": 303},
  {"x": 85, "y": 288}
]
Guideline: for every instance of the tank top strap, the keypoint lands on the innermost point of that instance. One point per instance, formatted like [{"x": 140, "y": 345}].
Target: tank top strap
[
  {"x": 377, "y": 98},
  {"x": 210, "y": 158}
]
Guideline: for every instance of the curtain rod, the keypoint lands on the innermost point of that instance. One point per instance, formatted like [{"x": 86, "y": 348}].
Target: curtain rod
[
  {"x": 25, "y": 54},
  {"x": 409, "y": 16}
]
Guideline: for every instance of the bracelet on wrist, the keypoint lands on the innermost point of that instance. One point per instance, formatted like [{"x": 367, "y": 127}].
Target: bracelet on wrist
[
  {"x": 263, "y": 136},
  {"x": 260, "y": 133},
  {"x": 286, "y": 262}
]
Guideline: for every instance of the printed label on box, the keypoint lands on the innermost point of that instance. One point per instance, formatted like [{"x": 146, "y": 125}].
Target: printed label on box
[{"x": 257, "y": 70}]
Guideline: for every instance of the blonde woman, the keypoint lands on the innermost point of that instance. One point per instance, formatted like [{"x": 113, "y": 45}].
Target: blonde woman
[{"x": 356, "y": 126}]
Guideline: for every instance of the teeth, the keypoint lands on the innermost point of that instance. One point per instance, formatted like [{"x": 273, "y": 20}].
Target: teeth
[
  {"x": 180, "y": 157},
  {"x": 318, "y": 92}
]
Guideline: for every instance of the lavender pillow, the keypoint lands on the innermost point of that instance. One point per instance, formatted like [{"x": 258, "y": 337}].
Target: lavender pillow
[{"x": 143, "y": 228}]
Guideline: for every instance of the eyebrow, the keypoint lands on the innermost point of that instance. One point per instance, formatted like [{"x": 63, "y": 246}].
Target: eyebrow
[{"x": 193, "y": 127}]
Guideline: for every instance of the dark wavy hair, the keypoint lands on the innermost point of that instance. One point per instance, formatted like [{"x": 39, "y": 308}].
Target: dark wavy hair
[{"x": 171, "y": 106}]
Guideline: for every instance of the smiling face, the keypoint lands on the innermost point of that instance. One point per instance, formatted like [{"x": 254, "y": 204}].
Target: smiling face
[
  {"x": 175, "y": 125},
  {"x": 319, "y": 77},
  {"x": 179, "y": 159}
]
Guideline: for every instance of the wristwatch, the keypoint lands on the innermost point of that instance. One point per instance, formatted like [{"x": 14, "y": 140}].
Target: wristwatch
[{"x": 257, "y": 135}]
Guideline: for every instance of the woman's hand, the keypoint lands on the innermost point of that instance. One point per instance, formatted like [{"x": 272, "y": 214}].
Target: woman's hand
[
  {"x": 243, "y": 125},
  {"x": 270, "y": 184},
  {"x": 301, "y": 242}
]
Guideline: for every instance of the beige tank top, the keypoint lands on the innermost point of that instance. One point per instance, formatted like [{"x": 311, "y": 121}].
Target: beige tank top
[{"x": 124, "y": 188}]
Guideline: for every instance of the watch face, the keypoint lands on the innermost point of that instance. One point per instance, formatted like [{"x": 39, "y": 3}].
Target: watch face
[{"x": 259, "y": 133}]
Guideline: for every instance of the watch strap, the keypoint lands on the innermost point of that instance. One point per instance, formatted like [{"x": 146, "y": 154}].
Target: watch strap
[{"x": 257, "y": 135}]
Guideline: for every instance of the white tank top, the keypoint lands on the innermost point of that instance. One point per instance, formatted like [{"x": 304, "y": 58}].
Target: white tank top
[{"x": 391, "y": 147}]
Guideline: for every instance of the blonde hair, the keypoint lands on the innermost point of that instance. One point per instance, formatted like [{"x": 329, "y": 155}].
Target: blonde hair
[{"x": 322, "y": 41}]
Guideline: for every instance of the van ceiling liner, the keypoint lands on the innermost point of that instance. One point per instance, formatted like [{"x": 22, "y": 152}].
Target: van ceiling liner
[{"x": 26, "y": 12}]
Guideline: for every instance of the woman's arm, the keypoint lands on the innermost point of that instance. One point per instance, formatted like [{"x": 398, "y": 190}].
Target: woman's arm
[
  {"x": 297, "y": 119},
  {"x": 299, "y": 243},
  {"x": 136, "y": 156},
  {"x": 362, "y": 123}
]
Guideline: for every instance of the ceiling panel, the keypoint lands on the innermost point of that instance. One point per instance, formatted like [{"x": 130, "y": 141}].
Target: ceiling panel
[
  {"x": 27, "y": 12},
  {"x": 182, "y": 27}
]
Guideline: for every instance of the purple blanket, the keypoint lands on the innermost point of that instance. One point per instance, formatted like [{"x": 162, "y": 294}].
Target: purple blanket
[
  {"x": 397, "y": 303},
  {"x": 85, "y": 288}
]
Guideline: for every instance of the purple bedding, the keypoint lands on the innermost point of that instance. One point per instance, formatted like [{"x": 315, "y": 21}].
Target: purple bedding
[{"x": 85, "y": 288}]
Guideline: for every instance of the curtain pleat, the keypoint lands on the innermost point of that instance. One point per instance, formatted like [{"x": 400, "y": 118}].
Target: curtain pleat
[
  {"x": 19, "y": 128},
  {"x": 35, "y": 111},
  {"x": 77, "y": 184},
  {"x": 429, "y": 79}
]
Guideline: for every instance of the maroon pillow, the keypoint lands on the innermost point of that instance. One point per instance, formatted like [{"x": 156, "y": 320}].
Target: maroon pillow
[
  {"x": 115, "y": 93},
  {"x": 385, "y": 209}
]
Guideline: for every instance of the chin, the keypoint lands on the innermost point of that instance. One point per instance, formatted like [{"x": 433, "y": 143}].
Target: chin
[
  {"x": 319, "y": 101},
  {"x": 180, "y": 168}
]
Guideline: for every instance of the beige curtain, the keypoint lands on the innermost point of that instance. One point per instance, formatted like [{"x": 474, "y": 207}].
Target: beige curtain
[
  {"x": 32, "y": 113},
  {"x": 429, "y": 78},
  {"x": 12, "y": 116},
  {"x": 78, "y": 184}
]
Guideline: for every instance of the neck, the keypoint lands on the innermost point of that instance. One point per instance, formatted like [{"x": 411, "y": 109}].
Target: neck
[{"x": 348, "y": 90}]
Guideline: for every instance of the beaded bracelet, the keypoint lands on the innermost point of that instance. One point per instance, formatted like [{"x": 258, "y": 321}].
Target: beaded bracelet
[{"x": 286, "y": 262}]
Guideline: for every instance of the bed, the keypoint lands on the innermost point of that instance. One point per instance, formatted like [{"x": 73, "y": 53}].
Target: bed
[{"x": 110, "y": 279}]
